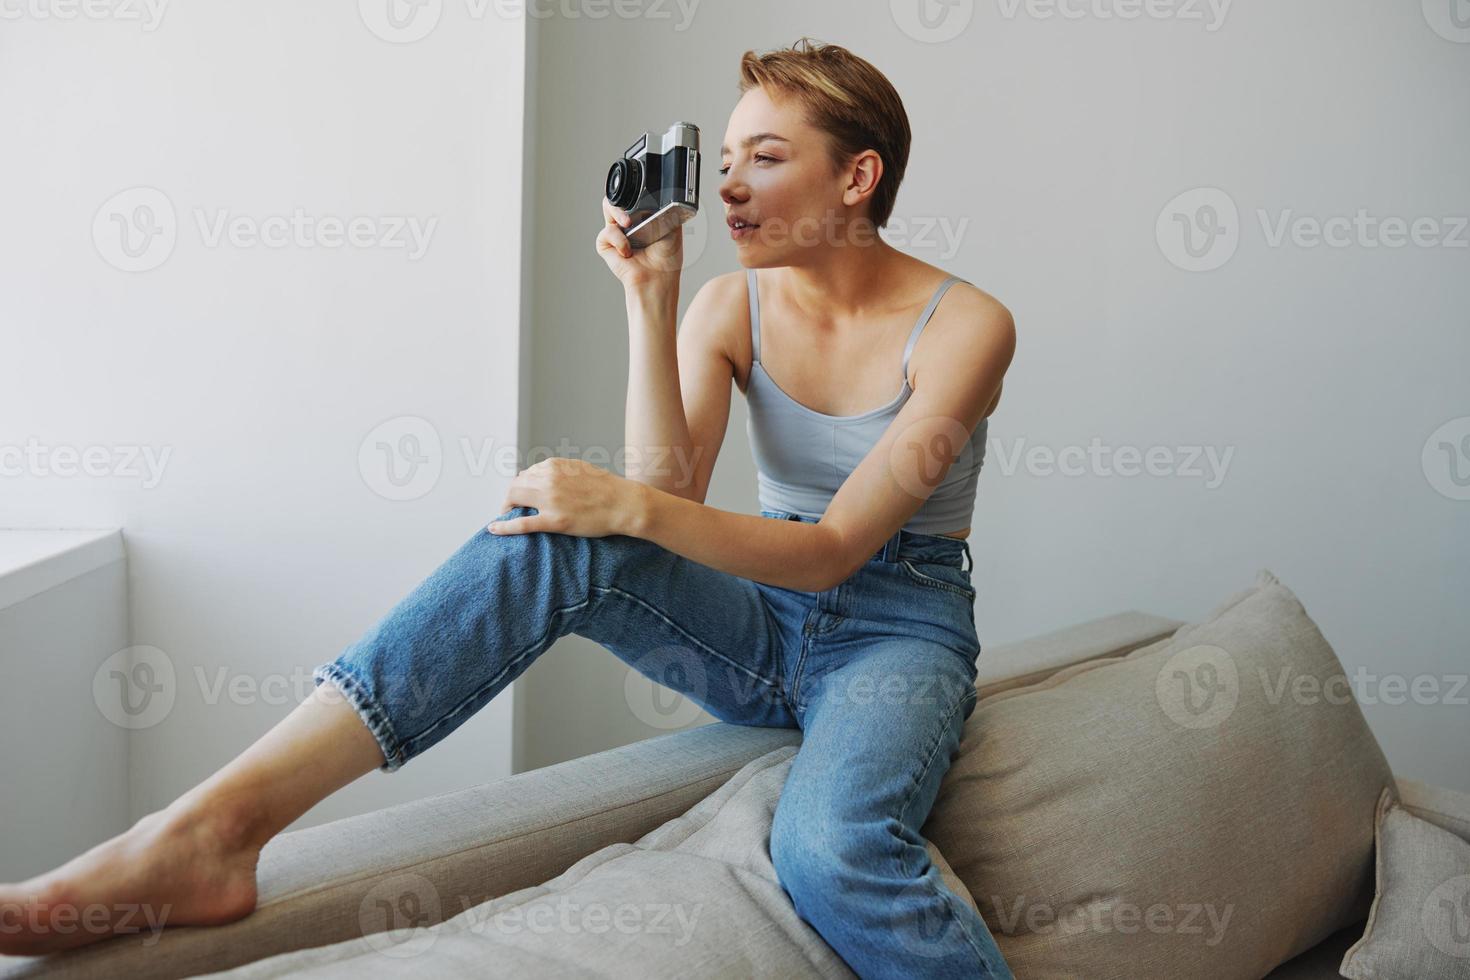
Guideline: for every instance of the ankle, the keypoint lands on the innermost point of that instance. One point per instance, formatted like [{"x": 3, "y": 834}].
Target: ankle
[{"x": 233, "y": 821}]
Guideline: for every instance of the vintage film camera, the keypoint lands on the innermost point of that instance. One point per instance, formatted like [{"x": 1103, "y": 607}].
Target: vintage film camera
[{"x": 657, "y": 182}]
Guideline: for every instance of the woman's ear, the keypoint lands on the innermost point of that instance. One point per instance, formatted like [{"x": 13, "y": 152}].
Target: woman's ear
[{"x": 863, "y": 174}]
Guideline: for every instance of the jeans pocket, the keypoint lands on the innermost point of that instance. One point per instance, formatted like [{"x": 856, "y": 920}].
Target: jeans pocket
[{"x": 937, "y": 575}]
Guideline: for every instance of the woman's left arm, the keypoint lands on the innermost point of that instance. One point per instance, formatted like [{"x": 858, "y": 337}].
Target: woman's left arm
[{"x": 573, "y": 496}]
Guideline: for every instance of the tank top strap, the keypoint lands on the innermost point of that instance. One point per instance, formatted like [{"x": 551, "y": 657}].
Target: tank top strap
[
  {"x": 908, "y": 348},
  {"x": 755, "y": 316}
]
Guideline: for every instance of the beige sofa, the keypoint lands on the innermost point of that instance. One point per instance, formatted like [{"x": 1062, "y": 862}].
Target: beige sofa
[{"x": 516, "y": 832}]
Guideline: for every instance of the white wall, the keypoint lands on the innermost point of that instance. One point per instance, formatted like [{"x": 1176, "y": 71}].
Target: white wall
[
  {"x": 1051, "y": 146},
  {"x": 264, "y": 549}
]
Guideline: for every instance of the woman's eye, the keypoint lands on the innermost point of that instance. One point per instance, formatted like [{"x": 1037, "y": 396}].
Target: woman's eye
[{"x": 759, "y": 158}]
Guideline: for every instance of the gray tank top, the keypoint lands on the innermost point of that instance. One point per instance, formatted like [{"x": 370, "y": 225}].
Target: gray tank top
[{"x": 802, "y": 456}]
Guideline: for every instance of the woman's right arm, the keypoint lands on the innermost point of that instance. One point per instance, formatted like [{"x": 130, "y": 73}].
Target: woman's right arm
[{"x": 679, "y": 380}]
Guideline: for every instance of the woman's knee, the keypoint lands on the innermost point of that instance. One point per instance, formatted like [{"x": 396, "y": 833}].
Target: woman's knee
[
  {"x": 813, "y": 853},
  {"x": 605, "y": 554}
]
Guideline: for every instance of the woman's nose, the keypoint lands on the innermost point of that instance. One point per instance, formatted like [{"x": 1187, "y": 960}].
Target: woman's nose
[{"x": 731, "y": 190}]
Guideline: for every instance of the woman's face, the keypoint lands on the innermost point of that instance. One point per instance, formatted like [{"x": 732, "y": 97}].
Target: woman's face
[{"x": 777, "y": 174}]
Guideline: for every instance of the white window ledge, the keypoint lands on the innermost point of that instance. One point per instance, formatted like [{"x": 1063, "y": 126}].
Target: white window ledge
[{"x": 34, "y": 560}]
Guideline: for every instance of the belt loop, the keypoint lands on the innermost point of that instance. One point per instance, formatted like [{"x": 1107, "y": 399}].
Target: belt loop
[
  {"x": 971, "y": 557},
  {"x": 890, "y": 547}
]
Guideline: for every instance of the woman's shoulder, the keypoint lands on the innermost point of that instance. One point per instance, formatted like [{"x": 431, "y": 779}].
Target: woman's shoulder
[
  {"x": 724, "y": 287},
  {"x": 964, "y": 298}
]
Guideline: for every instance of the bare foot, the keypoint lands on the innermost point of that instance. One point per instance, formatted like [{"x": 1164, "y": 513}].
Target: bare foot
[{"x": 179, "y": 866}]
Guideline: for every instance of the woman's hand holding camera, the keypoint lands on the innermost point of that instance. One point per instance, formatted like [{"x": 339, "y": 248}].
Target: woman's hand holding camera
[{"x": 659, "y": 264}]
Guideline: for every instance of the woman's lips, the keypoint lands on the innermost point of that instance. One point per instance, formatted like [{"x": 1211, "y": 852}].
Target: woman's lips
[{"x": 742, "y": 232}]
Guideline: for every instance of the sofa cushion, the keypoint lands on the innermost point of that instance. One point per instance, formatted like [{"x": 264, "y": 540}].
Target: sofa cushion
[
  {"x": 1202, "y": 806},
  {"x": 1446, "y": 808},
  {"x": 1321, "y": 961},
  {"x": 697, "y": 896},
  {"x": 1419, "y": 925}
]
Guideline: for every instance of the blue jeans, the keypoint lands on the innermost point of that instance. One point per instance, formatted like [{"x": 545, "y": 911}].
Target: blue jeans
[{"x": 877, "y": 672}]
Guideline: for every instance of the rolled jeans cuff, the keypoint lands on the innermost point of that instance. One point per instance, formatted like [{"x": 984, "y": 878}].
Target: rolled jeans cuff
[{"x": 368, "y": 709}]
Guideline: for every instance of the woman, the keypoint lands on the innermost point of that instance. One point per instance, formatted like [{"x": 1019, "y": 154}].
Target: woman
[{"x": 845, "y": 609}]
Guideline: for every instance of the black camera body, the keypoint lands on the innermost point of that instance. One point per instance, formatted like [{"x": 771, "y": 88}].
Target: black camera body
[{"x": 657, "y": 182}]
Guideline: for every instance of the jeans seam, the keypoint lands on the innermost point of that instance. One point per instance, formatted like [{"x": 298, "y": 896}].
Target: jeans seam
[
  {"x": 796, "y": 699},
  {"x": 612, "y": 590},
  {"x": 950, "y": 898},
  {"x": 921, "y": 579}
]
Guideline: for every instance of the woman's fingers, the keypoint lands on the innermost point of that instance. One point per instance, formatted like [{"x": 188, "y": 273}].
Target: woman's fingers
[
  {"x": 611, "y": 238},
  {"x": 614, "y": 215}
]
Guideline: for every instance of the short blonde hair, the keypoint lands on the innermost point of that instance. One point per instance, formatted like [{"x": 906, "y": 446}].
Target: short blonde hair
[{"x": 845, "y": 97}]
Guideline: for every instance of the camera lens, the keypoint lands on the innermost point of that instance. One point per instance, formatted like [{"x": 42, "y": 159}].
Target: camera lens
[{"x": 624, "y": 179}]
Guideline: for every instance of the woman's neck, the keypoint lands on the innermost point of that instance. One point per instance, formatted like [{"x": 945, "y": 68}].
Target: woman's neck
[{"x": 843, "y": 283}]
